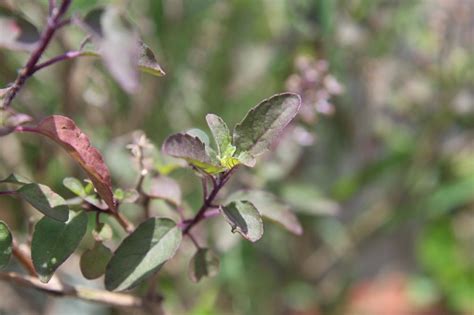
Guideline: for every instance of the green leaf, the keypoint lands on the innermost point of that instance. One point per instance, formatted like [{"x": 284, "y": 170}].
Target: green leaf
[
  {"x": 45, "y": 200},
  {"x": 53, "y": 242},
  {"x": 118, "y": 44},
  {"x": 16, "y": 179},
  {"x": 270, "y": 208},
  {"x": 75, "y": 186},
  {"x": 147, "y": 61},
  {"x": 16, "y": 32},
  {"x": 244, "y": 219},
  {"x": 203, "y": 264},
  {"x": 221, "y": 134},
  {"x": 192, "y": 150},
  {"x": 103, "y": 232},
  {"x": 263, "y": 123},
  {"x": 142, "y": 253},
  {"x": 126, "y": 196},
  {"x": 94, "y": 261},
  {"x": 6, "y": 242},
  {"x": 246, "y": 159},
  {"x": 162, "y": 187}
]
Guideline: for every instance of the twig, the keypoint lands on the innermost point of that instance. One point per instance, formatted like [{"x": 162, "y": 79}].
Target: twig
[
  {"x": 54, "y": 23},
  {"x": 24, "y": 259},
  {"x": 86, "y": 294},
  {"x": 201, "y": 214},
  {"x": 66, "y": 56},
  {"x": 8, "y": 192}
]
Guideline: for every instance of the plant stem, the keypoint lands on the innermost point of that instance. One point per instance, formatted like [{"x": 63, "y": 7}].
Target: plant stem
[
  {"x": 208, "y": 202},
  {"x": 66, "y": 56},
  {"x": 24, "y": 259},
  {"x": 8, "y": 192},
  {"x": 86, "y": 294},
  {"x": 53, "y": 24}
]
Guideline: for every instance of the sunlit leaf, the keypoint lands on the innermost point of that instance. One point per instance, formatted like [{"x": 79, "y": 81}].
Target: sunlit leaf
[
  {"x": 203, "y": 264},
  {"x": 142, "y": 253},
  {"x": 263, "y": 123},
  {"x": 220, "y": 132},
  {"x": 269, "y": 207},
  {"x": 6, "y": 242},
  {"x": 94, "y": 261},
  {"x": 192, "y": 150},
  {"x": 64, "y": 131},
  {"x": 75, "y": 186},
  {"x": 45, "y": 200},
  {"x": 53, "y": 242},
  {"x": 244, "y": 219}
]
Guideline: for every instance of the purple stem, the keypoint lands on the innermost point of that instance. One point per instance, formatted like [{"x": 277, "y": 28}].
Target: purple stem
[
  {"x": 54, "y": 23},
  {"x": 208, "y": 203},
  {"x": 8, "y": 192}
]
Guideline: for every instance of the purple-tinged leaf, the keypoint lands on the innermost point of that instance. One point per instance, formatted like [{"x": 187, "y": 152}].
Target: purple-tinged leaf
[
  {"x": 64, "y": 131},
  {"x": 192, "y": 150},
  {"x": 162, "y": 187},
  {"x": 263, "y": 123},
  {"x": 16, "y": 32}
]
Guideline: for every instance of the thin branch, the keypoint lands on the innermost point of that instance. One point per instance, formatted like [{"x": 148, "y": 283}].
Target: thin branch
[
  {"x": 53, "y": 24},
  {"x": 8, "y": 192},
  {"x": 86, "y": 294},
  {"x": 67, "y": 56},
  {"x": 193, "y": 239},
  {"x": 204, "y": 187},
  {"x": 24, "y": 258},
  {"x": 201, "y": 214}
]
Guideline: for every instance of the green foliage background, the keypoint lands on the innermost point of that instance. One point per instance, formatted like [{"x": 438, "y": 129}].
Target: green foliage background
[{"x": 396, "y": 158}]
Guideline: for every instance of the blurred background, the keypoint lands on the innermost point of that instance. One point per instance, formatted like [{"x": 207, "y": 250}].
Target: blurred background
[{"x": 378, "y": 166}]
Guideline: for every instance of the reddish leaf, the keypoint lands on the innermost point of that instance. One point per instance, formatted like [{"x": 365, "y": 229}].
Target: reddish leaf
[{"x": 64, "y": 131}]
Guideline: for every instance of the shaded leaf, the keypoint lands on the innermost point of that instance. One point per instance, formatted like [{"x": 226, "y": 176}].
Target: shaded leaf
[
  {"x": 6, "y": 243},
  {"x": 10, "y": 120},
  {"x": 16, "y": 179},
  {"x": 16, "y": 32},
  {"x": 269, "y": 207},
  {"x": 103, "y": 232},
  {"x": 126, "y": 196},
  {"x": 221, "y": 134},
  {"x": 142, "y": 253},
  {"x": 203, "y": 264},
  {"x": 53, "y": 242},
  {"x": 65, "y": 132},
  {"x": 118, "y": 44},
  {"x": 263, "y": 123},
  {"x": 147, "y": 61},
  {"x": 94, "y": 261},
  {"x": 244, "y": 218},
  {"x": 45, "y": 200},
  {"x": 162, "y": 187},
  {"x": 192, "y": 150},
  {"x": 75, "y": 186}
]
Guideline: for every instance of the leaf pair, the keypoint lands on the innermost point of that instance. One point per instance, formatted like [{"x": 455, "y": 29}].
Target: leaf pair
[
  {"x": 120, "y": 47},
  {"x": 251, "y": 137}
]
